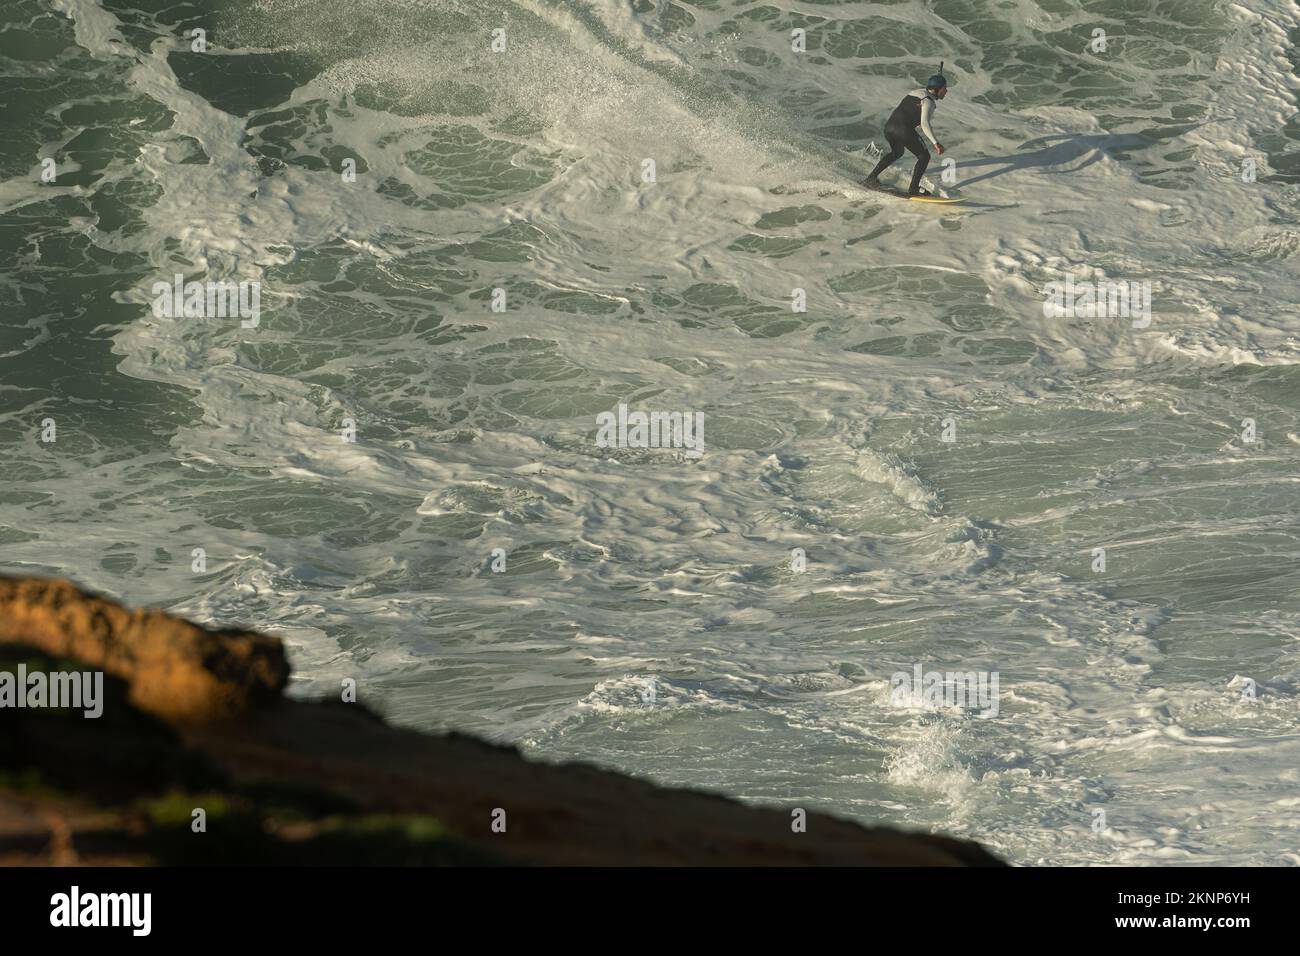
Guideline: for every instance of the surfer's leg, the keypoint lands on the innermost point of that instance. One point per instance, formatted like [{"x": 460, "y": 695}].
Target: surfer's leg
[
  {"x": 922, "y": 161},
  {"x": 891, "y": 157}
]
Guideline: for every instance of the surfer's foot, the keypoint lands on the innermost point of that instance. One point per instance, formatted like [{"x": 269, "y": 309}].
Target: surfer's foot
[
  {"x": 871, "y": 182},
  {"x": 918, "y": 192}
]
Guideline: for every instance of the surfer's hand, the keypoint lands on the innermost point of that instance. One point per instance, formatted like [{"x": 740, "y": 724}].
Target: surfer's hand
[{"x": 938, "y": 149}]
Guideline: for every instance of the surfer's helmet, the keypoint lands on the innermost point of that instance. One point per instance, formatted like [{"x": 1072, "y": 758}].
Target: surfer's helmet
[{"x": 938, "y": 81}]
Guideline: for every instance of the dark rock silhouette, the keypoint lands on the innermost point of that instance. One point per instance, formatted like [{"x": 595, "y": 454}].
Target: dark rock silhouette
[{"x": 194, "y": 720}]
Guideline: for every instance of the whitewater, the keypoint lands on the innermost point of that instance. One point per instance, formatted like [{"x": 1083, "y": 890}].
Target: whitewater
[{"x": 480, "y": 225}]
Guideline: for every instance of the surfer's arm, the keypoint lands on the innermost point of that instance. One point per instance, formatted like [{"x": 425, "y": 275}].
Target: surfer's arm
[{"x": 927, "y": 107}]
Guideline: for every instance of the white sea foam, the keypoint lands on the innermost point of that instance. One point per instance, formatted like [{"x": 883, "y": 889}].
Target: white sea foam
[{"x": 1121, "y": 690}]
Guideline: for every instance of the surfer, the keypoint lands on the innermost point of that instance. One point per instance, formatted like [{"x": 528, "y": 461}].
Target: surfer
[{"x": 914, "y": 111}]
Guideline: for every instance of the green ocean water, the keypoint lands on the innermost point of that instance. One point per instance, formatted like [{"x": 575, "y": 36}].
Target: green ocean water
[{"x": 389, "y": 180}]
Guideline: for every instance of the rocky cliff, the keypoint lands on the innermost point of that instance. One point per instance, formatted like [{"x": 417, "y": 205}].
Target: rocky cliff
[{"x": 199, "y": 758}]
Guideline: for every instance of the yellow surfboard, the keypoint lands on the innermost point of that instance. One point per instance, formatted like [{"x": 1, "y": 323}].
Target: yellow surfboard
[{"x": 942, "y": 200}]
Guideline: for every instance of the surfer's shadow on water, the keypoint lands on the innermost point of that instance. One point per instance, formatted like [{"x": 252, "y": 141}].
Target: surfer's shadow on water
[{"x": 1050, "y": 152}]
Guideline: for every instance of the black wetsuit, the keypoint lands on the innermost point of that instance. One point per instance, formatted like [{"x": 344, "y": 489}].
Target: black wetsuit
[{"x": 900, "y": 130}]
